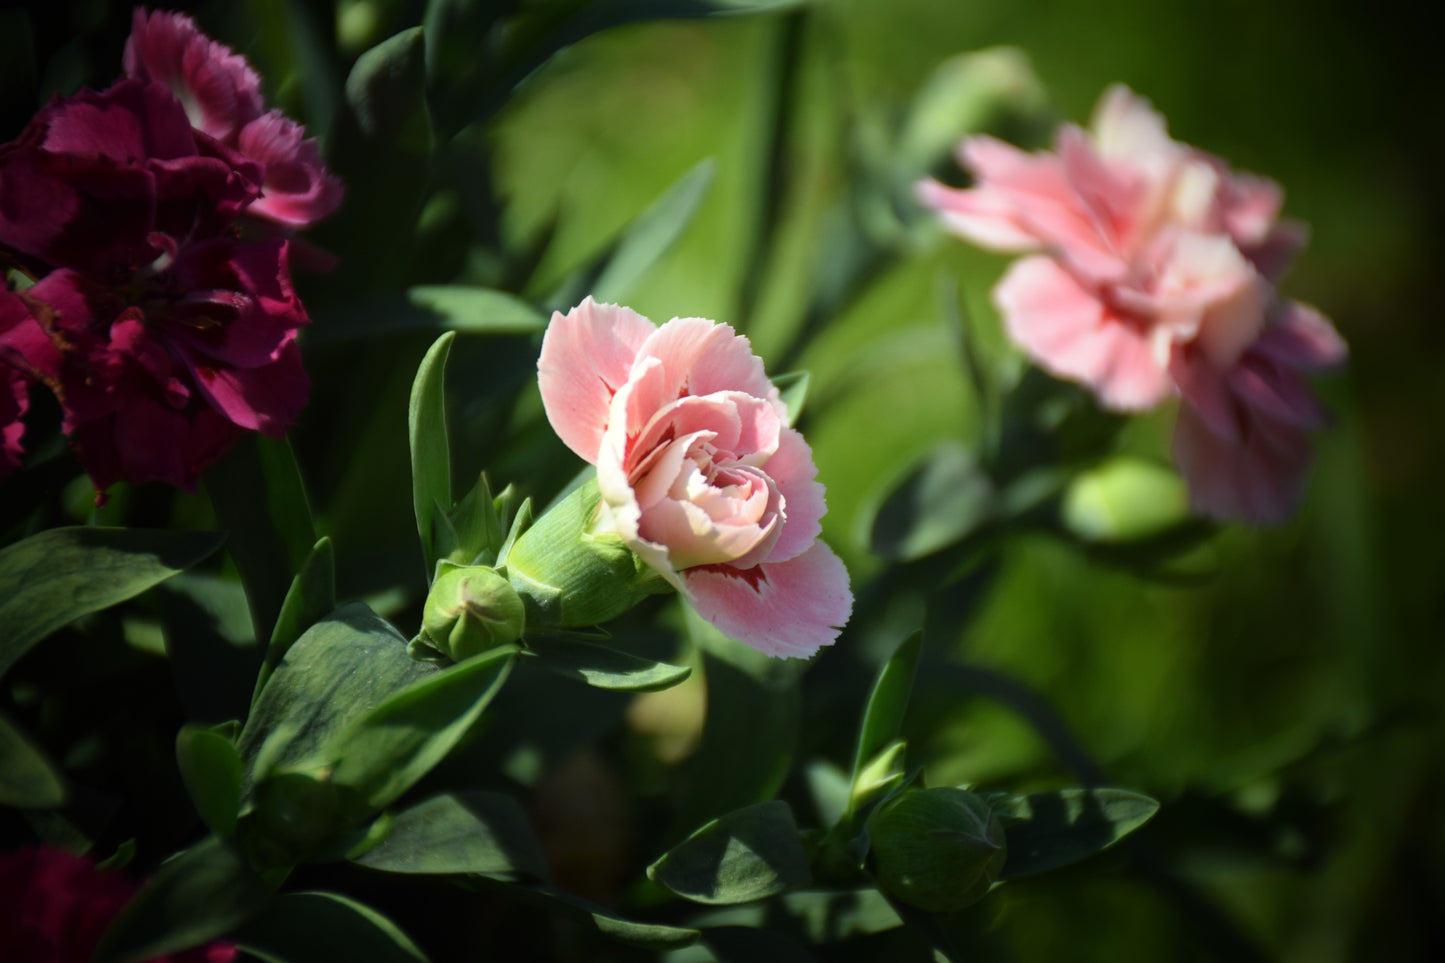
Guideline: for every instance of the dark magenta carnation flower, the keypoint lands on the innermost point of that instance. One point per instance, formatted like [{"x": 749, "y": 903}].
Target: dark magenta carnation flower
[
  {"x": 14, "y": 383},
  {"x": 54, "y": 908},
  {"x": 221, "y": 96}
]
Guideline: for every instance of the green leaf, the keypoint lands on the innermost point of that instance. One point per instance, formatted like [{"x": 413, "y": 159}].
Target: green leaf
[
  {"x": 309, "y": 926},
  {"x": 381, "y": 754},
  {"x": 340, "y": 668},
  {"x": 463, "y": 832},
  {"x": 827, "y": 916},
  {"x": 195, "y": 897},
  {"x": 28, "y": 780},
  {"x": 793, "y": 386},
  {"x": 55, "y": 577},
  {"x": 431, "y": 459},
  {"x": 649, "y": 236},
  {"x": 604, "y": 667},
  {"x": 385, "y": 90},
  {"x": 747, "y": 944},
  {"x": 451, "y": 307},
  {"x": 649, "y": 936},
  {"x": 942, "y": 499},
  {"x": 311, "y": 598},
  {"x": 883, "y": 716},
  {"x": 751, "y": 853},
  {"x": 257, "y": 493},
  {"x": 1052, "y": 829},
  {"x": 211, "y": 769}
]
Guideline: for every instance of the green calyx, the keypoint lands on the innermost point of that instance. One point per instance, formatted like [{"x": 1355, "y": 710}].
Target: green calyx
[
  {"x": 936, "y": 849},
  {"x": 570, "y": 575},
  {"x": 471, "y": 608}
]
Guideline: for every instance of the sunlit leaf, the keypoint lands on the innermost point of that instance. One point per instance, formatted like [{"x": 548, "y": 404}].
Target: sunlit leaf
[
  {"x": 940, "y": 501},
  {"x": 431, "y": 460},
  {"x": 461, "y": 832},
  {"x": 451, "y": 307},
  {"x": 748, "y": 854},
  {"x": 653, "y": 232},
  {"x": 1052, "y": 829},
  {"x": 605, "y": 667},
  {"x": 311, "y": 598},
  {"x": 883, "y": 716}
]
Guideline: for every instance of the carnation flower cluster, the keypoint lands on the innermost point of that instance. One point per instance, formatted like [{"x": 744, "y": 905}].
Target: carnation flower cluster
[
  {"x": 1151, "y": 273},
  {"x": 154, "y": 221}
]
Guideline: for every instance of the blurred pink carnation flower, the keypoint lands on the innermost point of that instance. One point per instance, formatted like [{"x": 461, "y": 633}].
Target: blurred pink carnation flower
[
  {"x": 54, "y": 908},
  {"x": 1151, "y": 273},
  {"x": 221, "y": 95},
  {"x": 699, "y": 472}
]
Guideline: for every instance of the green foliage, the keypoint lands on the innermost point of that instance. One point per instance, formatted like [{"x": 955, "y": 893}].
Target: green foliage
[
  {"x": 750, "y": 853},
  {"x": 652, "y": 233},
  {"x": 28, "y": 780},
  {"x": 53, "y": 578},
  {"x": 461, "y": 832},
  {"x": 1049, "y": 830},
  {"x": 431, "y": 460},
  {"x": 211, "y": 769},
  {"x": 604, "y": 667},
  {"x": 305, "y": 926},
  {"x": 311, "y": 598},
  {"x": 943, "y": 499}
]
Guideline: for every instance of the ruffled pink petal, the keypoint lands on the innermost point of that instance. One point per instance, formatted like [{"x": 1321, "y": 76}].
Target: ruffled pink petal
[
  {"x": 1127, "y": 128},
  {"x": 1070, "y": 333},
  {"x": 1205, "y": 388},
  {"x": 700, "y": 357},
  {"x": 587, "y": 355},
  {"x": 788, "y": 609},
  {"x": 983, "y": 217},
  {"x": 1258, "y": 479},
  {"x": 793, "y": 471},
  {"x": 1207, "y": 285},
  {"x": 297, "y": 190},
  {"x": 216, "y": 86}
]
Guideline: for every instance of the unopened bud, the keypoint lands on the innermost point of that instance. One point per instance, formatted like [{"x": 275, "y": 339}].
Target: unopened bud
[
  {"x": 936, "y": 849},
  {"x": 471, "y": 609}
]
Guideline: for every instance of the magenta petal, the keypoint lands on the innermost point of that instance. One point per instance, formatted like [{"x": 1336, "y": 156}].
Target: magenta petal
[
  {"x": 1069, "y": 332},
  {"x": 788, "y": 609},
  {"x": 216, "y": 86},
  {"x": 266, "y": 398},
  {"x": 586, "y": 357},
  {"x": 1258, "y": 479},
  {"x": 297, "y": 189},
  {"x": 1299, "y": 336}
]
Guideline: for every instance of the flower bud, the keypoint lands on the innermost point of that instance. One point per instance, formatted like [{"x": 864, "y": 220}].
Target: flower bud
[
  {"x": 471, "y": 609},
  {"x": 936, "y": 849},
  {"x": 571, "y": 572},
  {"x": 1123, "y": 500}
]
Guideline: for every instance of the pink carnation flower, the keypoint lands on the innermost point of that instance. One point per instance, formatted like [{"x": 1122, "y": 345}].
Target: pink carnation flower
[
  {"x": 699, "y": 472},
  {"x": 221, "y": 96},
  {"x": 54, "y": 908},
  {"x": 1148, "y": 257}
]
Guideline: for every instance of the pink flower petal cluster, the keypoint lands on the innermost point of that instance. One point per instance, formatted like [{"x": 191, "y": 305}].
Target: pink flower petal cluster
[
  {"x": 221, "y": 96},
  {"x": 54, "y": 908},
  {"x": 1151, "y": 273},
  {"x": 699, "y": 471},
  {"x": 163, "y": 334}
]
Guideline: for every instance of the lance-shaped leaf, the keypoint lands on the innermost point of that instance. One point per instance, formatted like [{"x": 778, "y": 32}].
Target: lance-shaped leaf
[
  {"x": 462, "y": 832},
  {"x": 195, "y": 897},
  {"x": 648, "y": 936},
  {"x": 649, "y": 236},
  {"x": 308, "y": 926},
  {"x": 793, "y": 387},
  {"x": 310, "y": 599},
  {"x": 340, "y": 668},
  {"x": 431, "y": 459},
  {"x": 942, "y": 499},
  {"x": 1051, "y": 829},
  {"x": 750, "y": 853},
  {"x": 211, "y": 769},
  {"x": 55, "y": 577},
  {"x": 28, "y": 780},
  {"x": 604, "y": 667},
  {"x": 383, "y": 753},
  {"x": 429, "y": 307},
  {"x": 883, "y": 716}
]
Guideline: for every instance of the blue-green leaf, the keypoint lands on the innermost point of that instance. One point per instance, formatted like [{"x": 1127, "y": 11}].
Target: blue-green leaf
[
  {"x": 211, "y": 769},
  {"x": 310, "y": 926},
  {"x": 28, "y": 780},
  {"x": 431, "y": 459},
  {"x": 750, "y": 853},
  {"x": 55, "y": 577},
  {"x": 604, "y": 667},
  {"x": 462, "y": 832},
  {"x": 311, "y": 598},
  {"x": 883, "y": 716},
  {"x": 1051, "y": 829}
]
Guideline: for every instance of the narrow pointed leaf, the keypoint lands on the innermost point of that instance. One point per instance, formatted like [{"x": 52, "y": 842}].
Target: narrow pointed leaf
[
  {"x": 309, "y": 926},
  {"x": 1052, "y": 829},
  {"x": 211, "y": 769},
  {"x": 311, "y": 598},
  {"x": 55, "y": 577},
  {"x": 193, "y": 898},
  {"x": 883, "y": 716},
  {"x": 431, "y": 460},
  {"x": 793, "y": 387},
  {"x": 387, "y": 750},
  {"x": 653, "y": 232},
  {"x": 28, "y": 780},
  {"x": 749, "y": 854},
  {"x": 942, "y": 499},
  {"x": 463, "y": 832},
  {"x": 606, "y": 668},
  {"x": 649, "y": 936},
  {"x": 433, "y": 307}
]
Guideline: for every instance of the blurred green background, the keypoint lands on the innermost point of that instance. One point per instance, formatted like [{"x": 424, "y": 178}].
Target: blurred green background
[{"x": 1282, "y": 700}]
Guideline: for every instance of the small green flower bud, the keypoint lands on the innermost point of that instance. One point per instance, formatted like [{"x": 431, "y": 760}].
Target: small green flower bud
[
  {"x": 471, "y": 609},
  {"x": 1124, "y": 499},
  {"x": 571, "y": 575},
  {"x": 936, "y": 849}
]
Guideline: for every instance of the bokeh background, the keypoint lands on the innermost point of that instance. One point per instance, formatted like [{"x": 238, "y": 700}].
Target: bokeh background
[{"x": 1279, "y": 691}]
